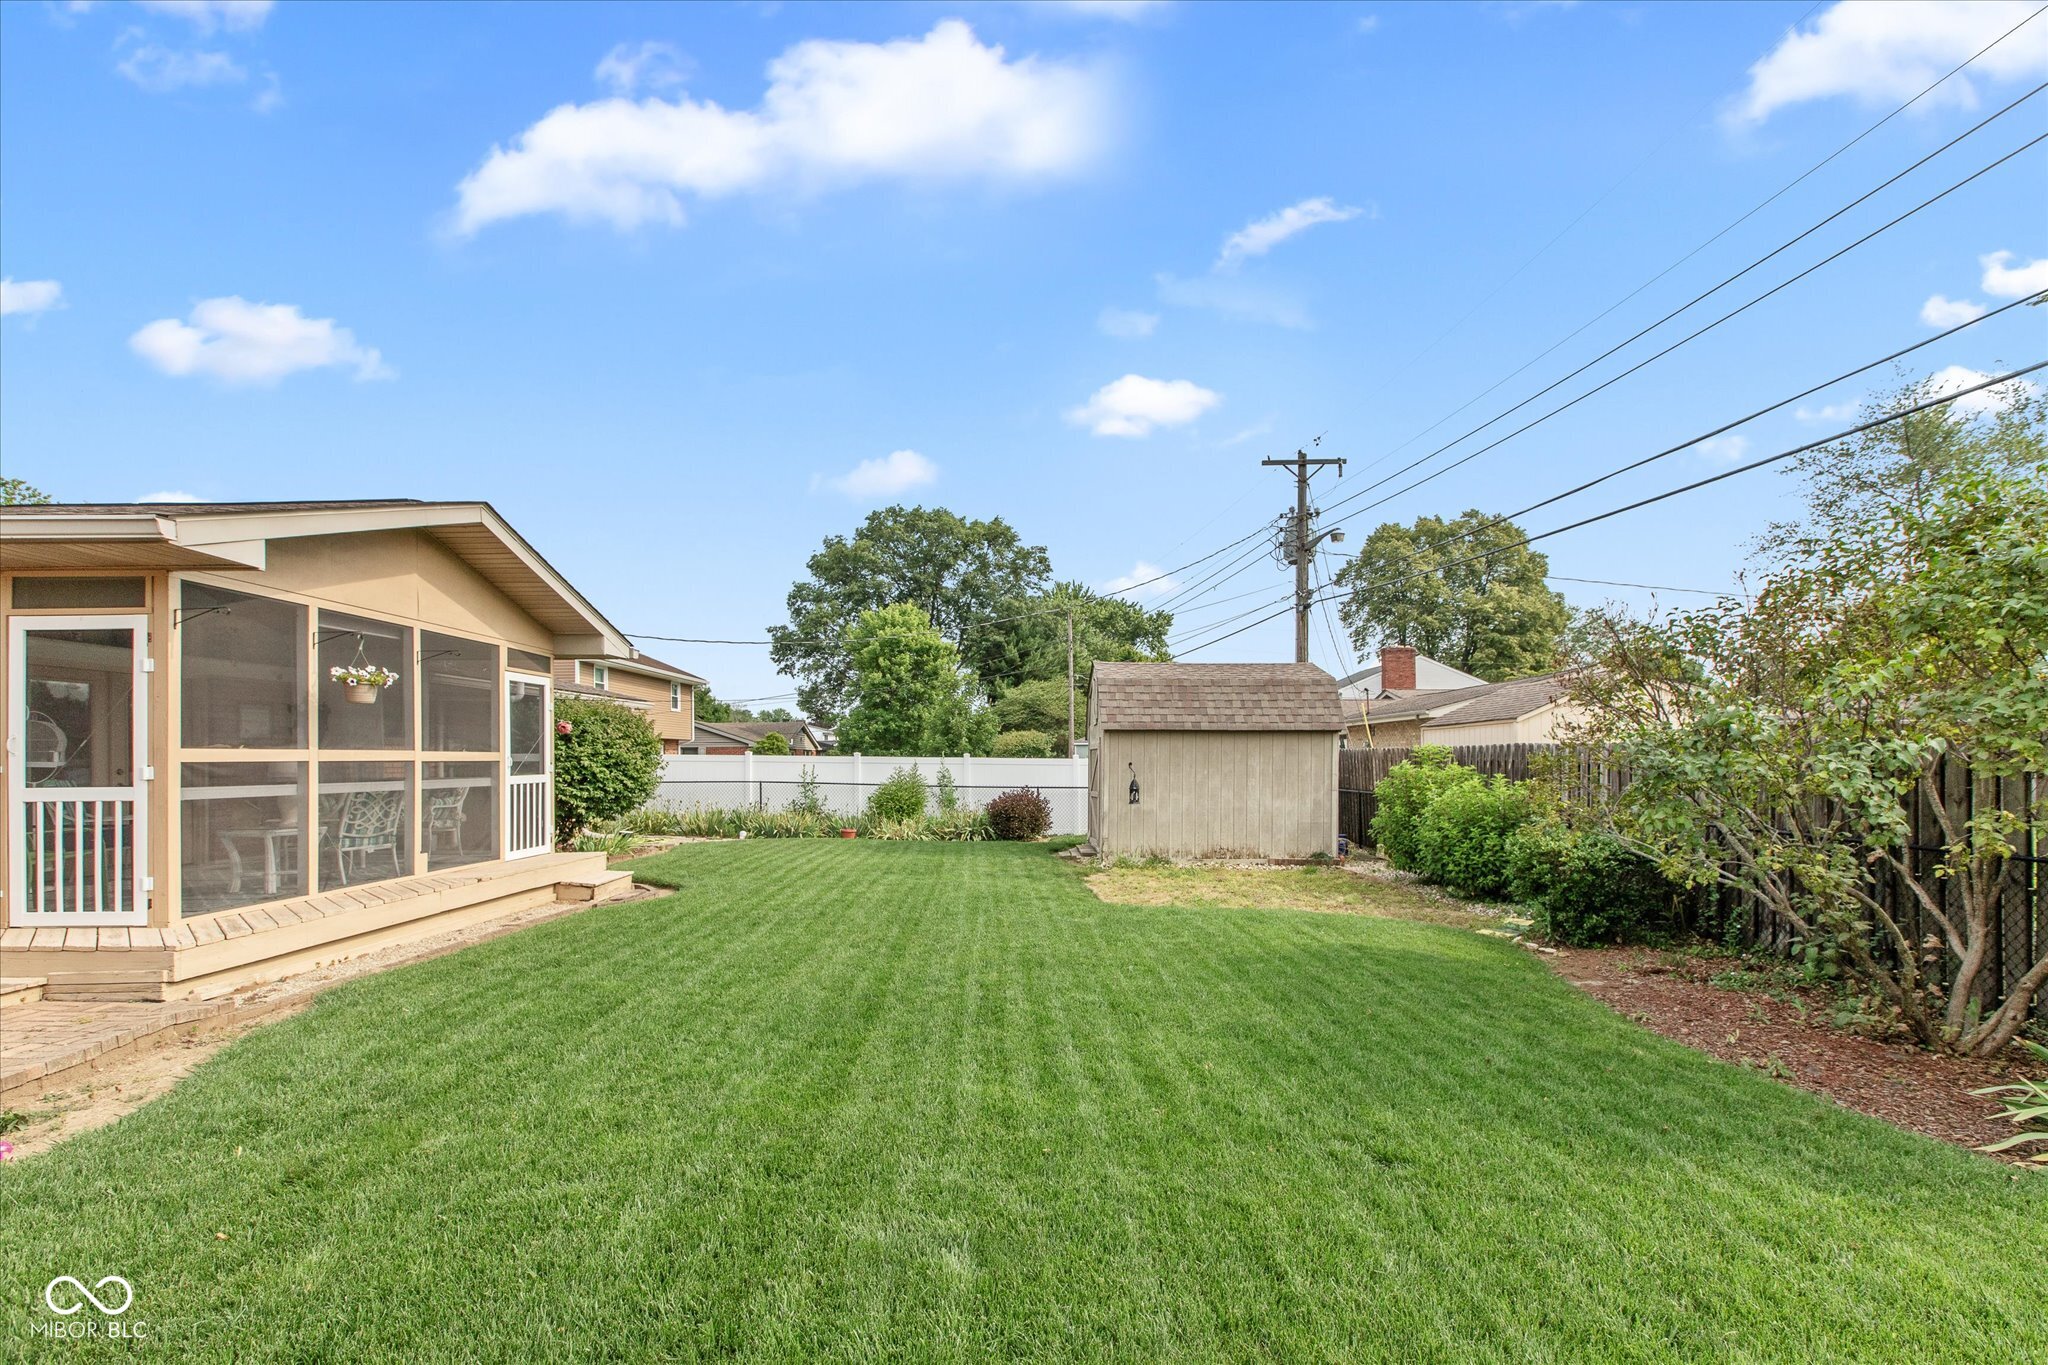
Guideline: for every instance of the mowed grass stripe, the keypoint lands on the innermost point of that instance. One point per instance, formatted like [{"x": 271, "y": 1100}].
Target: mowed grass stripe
[{"x": 926, "y": 1101}]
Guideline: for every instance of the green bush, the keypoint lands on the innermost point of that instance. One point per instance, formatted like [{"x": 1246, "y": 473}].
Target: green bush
[
  {"x": 774, "y": 742},
  {"x": 1020, "y": 814},
  {"x": 1462, "y": 840},
  {"x": 607, "y": 763},
  {"x": 1405, "y": 793},
  {"x": 1023, "y": 744},
  {"x": 1585, "y": 886},
  {"x": 902, "y": 797}
]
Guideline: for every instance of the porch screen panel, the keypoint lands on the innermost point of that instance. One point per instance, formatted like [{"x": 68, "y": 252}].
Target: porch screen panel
[
  {"x": 459, "y": 813},
  {"x": 385, "y": 723},
  {"x": 244, "y": 835},
  {"x": 243, "y": 670},
  {"x": 459, "y": 691},
  {"x": 363, "y": 823}
]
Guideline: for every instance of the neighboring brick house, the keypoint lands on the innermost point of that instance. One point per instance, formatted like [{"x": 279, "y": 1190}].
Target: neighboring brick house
[
  {"x": 739, "y": 737},
  {"x": 1518, "y": 711},
  {"x": 1401, "y": 675},
  {"x": 665, "y": 693}
]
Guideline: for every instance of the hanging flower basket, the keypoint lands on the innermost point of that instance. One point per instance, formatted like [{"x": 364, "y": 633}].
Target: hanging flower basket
[{"x": 361, "y": 682}]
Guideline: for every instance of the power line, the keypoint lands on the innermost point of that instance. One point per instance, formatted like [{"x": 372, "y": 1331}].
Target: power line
[
  {"x": 1989, "y": 383},
  {"x": 1653, "y": 587},
  {"x": 1615, "y": 379},
  {"x": 1692, "y": 441},
  {"x": 1725, "y": 230},
  {"x": 1565, "y": 231}
]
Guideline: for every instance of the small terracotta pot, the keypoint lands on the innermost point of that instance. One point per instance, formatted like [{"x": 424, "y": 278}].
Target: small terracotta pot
[
  {"x": 848, "y": 833},
  {"x": 362, "y": 692}
]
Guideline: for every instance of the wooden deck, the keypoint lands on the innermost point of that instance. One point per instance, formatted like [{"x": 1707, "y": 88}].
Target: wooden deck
[{"x": 211, "y": 954}]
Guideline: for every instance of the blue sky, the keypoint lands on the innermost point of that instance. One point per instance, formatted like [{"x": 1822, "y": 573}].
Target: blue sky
[{"x": 682, "y": 290}]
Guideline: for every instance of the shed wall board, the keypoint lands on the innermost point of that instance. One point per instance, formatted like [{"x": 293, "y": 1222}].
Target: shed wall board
[{"x": 1215, "y": 794}]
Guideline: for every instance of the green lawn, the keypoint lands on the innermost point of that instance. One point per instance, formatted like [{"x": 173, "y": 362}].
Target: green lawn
[{"x": 899, "y": 1100}]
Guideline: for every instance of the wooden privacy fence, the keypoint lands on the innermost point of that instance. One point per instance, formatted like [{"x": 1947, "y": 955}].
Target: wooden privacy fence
[{"x": 2020, "y": 935}]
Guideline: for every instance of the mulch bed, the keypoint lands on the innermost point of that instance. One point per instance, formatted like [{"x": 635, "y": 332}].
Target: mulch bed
[{"x": 1788, "y": 1033}]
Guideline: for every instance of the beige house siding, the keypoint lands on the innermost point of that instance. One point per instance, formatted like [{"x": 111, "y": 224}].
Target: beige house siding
[
  {"x": 674, "y": 727},
  {"x": 1538, "y": 727},
  {"x": 1214, "y": 794},
  {"x": 406, "y": 575}
]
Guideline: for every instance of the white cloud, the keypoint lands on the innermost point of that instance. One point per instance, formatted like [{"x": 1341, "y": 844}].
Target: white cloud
[
  {"x": 1943, "y": 312},
  {"x": 1879, "y": 52},
  {"x": 161, "y": 70},
  {"x": 206, "y": 15},
  {"x": 29, "y": 296},
  {"x": 896, "y": 472},
  {"x": 1127, "y": 323},
  {"x": 1134, "y": 405},
  {"x": 1956, "y": 378},
  {"x": 1256, "y": 429},
  {"x": 1367, "y": 23},
  {"x": 270, "y": 98},
  {"x": 169, "y": 495},
  {"x": 1262, "y": 235},
  {"x": 651, "y": 65},
  {"x": 1149, "y": 581},
  {"x": 1727, "y": 449},
  {"x": 1827, "y": 412},
  {"x": 1234, "y": 298},
  {"x": 2013, "y": 282},
  {"x": 944, "y": 106},
  {"x": 238, "y": 342}
]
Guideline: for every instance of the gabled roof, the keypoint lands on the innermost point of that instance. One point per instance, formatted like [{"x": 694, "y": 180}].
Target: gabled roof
[
  {"x": 641, "y": 662},
  {"x": 1148, "y": 696},
  {"x": 1431, "y": 675},
  {"x": 750, "y": 732},
  {"x": 1510, "y": 700},
  {"x": 232, "y": 536}
]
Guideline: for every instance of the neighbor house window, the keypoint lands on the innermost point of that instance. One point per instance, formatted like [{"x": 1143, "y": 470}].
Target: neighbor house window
[
  {"x": 459, "y": 690},
  {"x": 600, "y": 677},
  {"x": 675, "y": 696},
  {"x": 243, "y": 676},
  {"x": 347, "y": 642},
  {"x": 242, "y": 834}
]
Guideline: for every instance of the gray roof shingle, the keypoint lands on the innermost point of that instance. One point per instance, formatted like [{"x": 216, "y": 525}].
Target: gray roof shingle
[
  {"x": 1147, "y": 696},
  {"x": 1508, "y": 700}
]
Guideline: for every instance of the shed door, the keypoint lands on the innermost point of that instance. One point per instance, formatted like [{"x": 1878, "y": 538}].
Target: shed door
[{"x": 77, "y": 800}]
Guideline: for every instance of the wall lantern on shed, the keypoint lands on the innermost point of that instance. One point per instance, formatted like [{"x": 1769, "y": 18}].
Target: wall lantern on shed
[{"x": 1134, "y": 782}]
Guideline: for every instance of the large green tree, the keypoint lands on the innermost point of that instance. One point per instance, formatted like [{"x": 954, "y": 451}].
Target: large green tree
[
  {"x": 1029, "y": 640},
  {"x": 1465, "y": 591},
  {"x": 910, "y": 694},
  {"x": 954, "y": 570}
]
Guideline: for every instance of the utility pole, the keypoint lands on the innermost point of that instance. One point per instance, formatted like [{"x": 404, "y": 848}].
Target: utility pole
[{"x": 1298, "y": 540}]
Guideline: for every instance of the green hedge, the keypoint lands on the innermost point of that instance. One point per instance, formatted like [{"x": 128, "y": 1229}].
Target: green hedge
[
  {"x": 1405, "y": 793},
  {"x": 1462, "y": 838},
  {"x": 607, "y": 763},
  {"x": 1585, "y": 886}
]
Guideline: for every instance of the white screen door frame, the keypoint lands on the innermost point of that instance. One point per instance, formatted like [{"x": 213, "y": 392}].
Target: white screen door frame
[
  {"x": 529, "y": 796},
  {"x": 75, "y": 837}
]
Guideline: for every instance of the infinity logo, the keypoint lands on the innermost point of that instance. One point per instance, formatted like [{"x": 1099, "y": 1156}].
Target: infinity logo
[{"x": 50, "y": 1295}]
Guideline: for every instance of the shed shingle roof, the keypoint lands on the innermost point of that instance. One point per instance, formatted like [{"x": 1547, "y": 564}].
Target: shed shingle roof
[{"x": 1144, "y": 696}]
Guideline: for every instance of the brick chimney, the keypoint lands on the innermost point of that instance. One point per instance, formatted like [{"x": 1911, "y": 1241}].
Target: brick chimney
[{"x": 1397, "y": 668}]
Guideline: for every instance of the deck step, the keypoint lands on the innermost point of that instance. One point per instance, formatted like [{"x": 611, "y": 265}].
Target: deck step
[
  {"x": 20, "y": 990},
  {"x": 601, "y": 887}
]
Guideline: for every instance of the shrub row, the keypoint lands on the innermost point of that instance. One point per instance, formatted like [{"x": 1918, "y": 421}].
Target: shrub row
[{"x": 1485, "y": 838}]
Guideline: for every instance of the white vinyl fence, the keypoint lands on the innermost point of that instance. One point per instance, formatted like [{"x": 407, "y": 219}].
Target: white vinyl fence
[{"x": 772, "y": 781}]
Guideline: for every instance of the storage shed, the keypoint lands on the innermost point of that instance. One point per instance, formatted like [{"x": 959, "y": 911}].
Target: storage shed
[{"x": 1213, "y": 760}]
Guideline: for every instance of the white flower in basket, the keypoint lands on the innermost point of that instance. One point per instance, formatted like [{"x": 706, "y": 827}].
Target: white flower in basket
[{"x": 362, "y": 681}]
